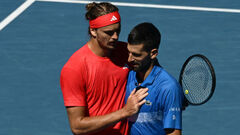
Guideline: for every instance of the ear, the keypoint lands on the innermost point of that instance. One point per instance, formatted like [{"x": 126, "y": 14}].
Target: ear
[
  {"x": 154, "y": 53},
  {"x": 93, "y": 32}
]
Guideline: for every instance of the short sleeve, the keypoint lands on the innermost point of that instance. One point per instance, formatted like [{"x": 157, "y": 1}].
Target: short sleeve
[
  {"x": 172, "y": 114},
  {"x": 73, "y": 87}
]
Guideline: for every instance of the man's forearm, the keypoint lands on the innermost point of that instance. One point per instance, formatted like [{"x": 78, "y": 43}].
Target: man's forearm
[
  {"x": 81, "y": 123},
  {"x": 87, "y": 125}
]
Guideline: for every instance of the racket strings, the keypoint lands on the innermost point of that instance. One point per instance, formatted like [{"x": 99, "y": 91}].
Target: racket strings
[{"x": 197, "y": 79}]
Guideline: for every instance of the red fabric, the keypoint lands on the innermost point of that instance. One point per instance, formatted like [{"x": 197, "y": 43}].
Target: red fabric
[
  {"x": 97, "y": 83},
  {"x": 105, "y": 20}
]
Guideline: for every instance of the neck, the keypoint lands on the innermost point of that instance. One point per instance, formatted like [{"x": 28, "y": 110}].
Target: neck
[
  {"x": 97, "y": 49},
  {"x": 141, "y": 76}
]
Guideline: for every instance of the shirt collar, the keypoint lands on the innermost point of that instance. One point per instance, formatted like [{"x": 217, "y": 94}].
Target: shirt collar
[{"x": 151, "y": 77}]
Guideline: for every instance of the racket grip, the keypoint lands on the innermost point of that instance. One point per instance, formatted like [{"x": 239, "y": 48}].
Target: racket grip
[{"x": 185, "y": 104}]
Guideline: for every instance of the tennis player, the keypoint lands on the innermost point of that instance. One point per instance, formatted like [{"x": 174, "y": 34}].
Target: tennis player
[
  {"x": 93, "y": 81},
  {"x": 162, "y": 112}
]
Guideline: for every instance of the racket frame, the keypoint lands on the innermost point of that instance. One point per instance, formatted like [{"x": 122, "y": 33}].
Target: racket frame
[{"x": 211, "y": 71}]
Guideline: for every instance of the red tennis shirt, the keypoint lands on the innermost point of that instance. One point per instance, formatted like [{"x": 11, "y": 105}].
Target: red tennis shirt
[{"x": 97, "y": 83}]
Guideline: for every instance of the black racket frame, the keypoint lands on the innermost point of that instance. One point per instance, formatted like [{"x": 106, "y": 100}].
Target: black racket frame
[{"x": 212, "y": 73}]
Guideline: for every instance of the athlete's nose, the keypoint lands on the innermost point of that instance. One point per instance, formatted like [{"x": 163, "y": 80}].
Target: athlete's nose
[
  {"x": 115, "y": 36},
  {"x": 130, "y": 57}
]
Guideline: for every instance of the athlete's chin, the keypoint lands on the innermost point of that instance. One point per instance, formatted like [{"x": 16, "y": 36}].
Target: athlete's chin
[
  {"x": 135, "y": 68},
  {"x": 112, "y": 46}
]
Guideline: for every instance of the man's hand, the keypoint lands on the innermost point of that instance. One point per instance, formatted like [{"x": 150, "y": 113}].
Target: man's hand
[
  {"x": 135, "y": 101},
  {"x": 170, "y": 131}
]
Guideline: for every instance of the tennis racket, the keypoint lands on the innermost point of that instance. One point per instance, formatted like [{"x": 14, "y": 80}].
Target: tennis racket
[{"x": 198, "y": 80}]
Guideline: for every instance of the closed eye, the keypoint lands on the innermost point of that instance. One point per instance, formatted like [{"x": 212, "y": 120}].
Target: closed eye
[
  {"x": 110, "y": 33},
  {"x": 136, "y": 55}
]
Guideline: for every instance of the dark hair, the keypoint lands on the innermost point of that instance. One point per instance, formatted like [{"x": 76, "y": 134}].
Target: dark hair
[
  {"x": 95, "y": 10},
  {"x": 147, "y": 34}
]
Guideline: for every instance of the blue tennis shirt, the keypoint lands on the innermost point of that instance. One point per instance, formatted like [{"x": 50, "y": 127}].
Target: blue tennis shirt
[{"x": 163, "y": 107}]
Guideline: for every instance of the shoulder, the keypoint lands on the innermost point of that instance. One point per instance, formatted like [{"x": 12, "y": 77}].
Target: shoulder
[
  {"x": 168, "y": 87},
  {"x": 77, "y": 59},
  {"x": 80, "y": 53},
  {"x": 167, "y": 81}
]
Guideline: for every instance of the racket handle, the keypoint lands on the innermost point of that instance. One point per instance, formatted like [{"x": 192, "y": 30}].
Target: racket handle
[{"x": 185, "y": 104}]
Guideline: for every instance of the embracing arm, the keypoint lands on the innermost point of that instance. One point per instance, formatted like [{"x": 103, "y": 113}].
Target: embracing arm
[{"x": 81, "y": 123}]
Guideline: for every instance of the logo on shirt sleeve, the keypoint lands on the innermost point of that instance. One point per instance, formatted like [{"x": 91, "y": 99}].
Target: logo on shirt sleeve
[
  {"x": 174, "y": 117},
  {"x": 125, "y": 66}
]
